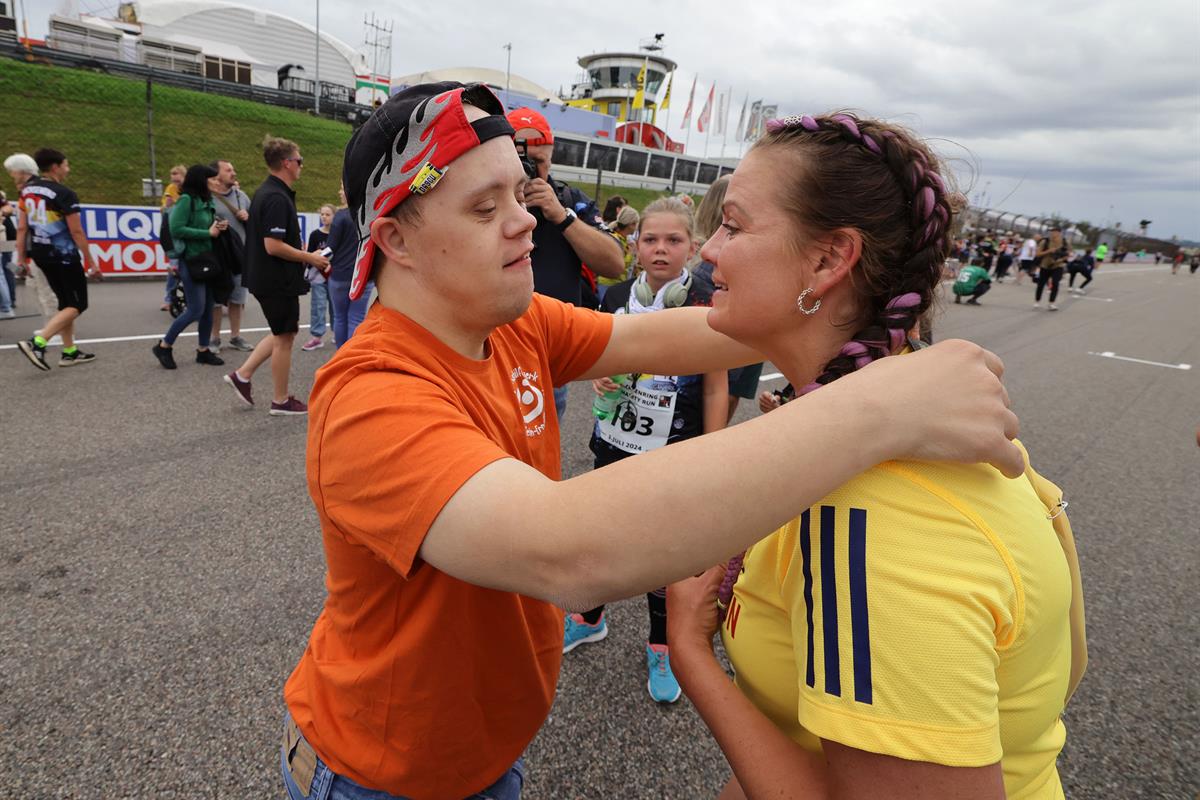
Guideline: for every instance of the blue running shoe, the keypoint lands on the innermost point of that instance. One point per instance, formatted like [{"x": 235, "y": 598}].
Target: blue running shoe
[
  {"x": 662, "y": 685},
  {"x": 577, "y": 632}
]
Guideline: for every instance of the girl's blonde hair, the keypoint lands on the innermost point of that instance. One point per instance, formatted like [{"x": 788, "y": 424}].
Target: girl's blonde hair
[
  {"x": 708, "y": 216},
  {"x": 670, "y": 205},
  {"x": 628, "y": 217}
]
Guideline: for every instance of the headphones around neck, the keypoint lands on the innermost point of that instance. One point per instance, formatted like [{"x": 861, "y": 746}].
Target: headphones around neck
[{"x": 674, "y": 293}]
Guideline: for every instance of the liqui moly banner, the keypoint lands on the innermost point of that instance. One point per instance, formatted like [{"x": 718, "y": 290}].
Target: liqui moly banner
[{"x": 123, "y": 240}]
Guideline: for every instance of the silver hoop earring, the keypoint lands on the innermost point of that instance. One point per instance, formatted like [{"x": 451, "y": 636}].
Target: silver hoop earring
[{"x": 800, "y": 303}]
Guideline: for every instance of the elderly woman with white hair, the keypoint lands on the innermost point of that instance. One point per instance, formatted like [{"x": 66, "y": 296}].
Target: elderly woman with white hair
[{"x": 21, "y": 168}]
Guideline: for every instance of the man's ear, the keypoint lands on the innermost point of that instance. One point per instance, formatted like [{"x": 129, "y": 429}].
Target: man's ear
[
  {"x": 388, "y": 235},
  {"x": 842, "y": 250}
]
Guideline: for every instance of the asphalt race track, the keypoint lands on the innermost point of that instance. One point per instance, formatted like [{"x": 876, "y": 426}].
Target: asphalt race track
[{"x": 161, "y": 565}]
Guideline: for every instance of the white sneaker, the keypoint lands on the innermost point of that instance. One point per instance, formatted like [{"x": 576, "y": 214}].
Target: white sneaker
[
  {"x": 10, "y": 314},
  {"x": 1037, "y": 306},
  {"x": 1053, "y": 307}
]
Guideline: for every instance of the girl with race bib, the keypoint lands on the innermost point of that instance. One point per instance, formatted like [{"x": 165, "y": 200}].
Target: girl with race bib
[
  {"x": 639, "y": 413},
  {"x": 918, "y": 632}
]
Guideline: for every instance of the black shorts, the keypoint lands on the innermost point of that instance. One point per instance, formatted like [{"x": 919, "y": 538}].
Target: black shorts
[
  {"x": 282, "y": 312},
  {"x": 66, "y": 277},
  {"x": 1027, "y": 264},
  {"x": 743, "y": 381}
]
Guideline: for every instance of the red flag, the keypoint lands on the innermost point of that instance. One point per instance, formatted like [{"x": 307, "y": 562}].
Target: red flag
[
  {"x": 706, "y": 112},
  {"x": 687, "y": 115}
]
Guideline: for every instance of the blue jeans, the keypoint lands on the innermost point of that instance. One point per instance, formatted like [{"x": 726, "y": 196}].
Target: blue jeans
[
  {"x": 8, "y": 286},
  {"x": 172, "y": 281},
  {"x": 6, "y": 260},
  {"x": 328, "y": 785},
  {"x": 560, "y": 401},
  {"x": 319, "y": 310},
  {"x": 347, "y": 314},
  {"x": 199, "y": 300}
]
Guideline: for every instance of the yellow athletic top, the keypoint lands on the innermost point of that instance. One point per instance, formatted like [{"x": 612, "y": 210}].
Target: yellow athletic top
[{"x": 923, "y": 611}]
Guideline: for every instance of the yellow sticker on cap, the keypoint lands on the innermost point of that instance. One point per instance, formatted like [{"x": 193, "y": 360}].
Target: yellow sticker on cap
[{"x": 426, "y": 179}]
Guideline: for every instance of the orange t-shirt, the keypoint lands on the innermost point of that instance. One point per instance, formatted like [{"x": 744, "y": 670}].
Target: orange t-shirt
[{"x": 414, "y": 682}]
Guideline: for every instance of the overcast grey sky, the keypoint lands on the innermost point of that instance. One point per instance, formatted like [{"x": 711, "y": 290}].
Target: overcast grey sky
[{"x": 1087, "y": 109}]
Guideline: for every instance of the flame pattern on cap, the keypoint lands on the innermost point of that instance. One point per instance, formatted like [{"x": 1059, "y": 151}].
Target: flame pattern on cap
[{"x": 414, "y": 145}]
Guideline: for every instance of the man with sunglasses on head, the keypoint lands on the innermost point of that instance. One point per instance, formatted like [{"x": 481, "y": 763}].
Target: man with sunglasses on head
[{"x": 274, "y": 274}]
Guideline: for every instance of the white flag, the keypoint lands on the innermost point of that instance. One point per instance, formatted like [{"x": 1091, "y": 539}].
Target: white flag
[
  {"x": 768, "y": 112},
  {"x": 740, "y": 135},
  {"x": 753, "y": 123}
]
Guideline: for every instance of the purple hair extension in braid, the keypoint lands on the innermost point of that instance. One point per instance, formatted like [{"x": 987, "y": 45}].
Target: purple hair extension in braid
[
  {"x": 794, "y": 121},
  {"x": 725, "y": 591},
  {"x": 929, "y": 219}
]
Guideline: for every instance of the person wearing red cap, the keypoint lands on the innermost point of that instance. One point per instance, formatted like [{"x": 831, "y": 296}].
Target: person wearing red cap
[
  {"x": 434, "y": 463},
  {"x": 561, "y": 245}
]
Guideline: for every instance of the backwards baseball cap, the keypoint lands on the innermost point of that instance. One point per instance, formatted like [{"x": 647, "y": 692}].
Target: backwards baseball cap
[
  {"x": 528, "y": 118},
  {"x": 405, "y": 148}
]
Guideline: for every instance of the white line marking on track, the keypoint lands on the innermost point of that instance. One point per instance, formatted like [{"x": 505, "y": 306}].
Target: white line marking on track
[
  {"x": 1101, "y": 299},
  {"x": 143, "y": 337},
  {"x": 1110, "y": 354},
  {"x": 1129, "y": 270}
]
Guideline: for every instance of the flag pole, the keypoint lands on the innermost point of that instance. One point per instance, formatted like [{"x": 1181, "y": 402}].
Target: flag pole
[
  {"x": 724, "y": 126},
  {"x": 642, "y": 115},
  {"x": 711, "y": 118},
  {"x": 688, "y": 139},
  {"x": 670, "y": 86}
]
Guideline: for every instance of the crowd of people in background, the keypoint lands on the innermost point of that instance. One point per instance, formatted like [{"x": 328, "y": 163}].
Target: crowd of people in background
[
  {"x": 986, "y": 257},
  {"x": 221, "y": 244},
  {"x": 206, "y": 214}
]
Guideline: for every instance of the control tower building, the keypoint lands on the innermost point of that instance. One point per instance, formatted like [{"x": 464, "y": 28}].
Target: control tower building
[{"x": 609, "y": 83}]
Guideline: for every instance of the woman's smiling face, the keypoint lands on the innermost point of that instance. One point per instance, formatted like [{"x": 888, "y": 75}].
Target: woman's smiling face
[{"x": 759, "y": 271}]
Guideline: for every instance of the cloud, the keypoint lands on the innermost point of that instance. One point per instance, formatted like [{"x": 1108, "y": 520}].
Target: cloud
[{"x": 1092, "y": 103}]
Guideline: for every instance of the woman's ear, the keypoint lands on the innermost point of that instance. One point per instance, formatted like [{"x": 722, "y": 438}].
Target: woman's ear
[{"x": 842, "y": 250}]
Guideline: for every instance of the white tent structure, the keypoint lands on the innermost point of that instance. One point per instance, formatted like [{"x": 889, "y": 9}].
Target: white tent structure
[
  {"x": 491, "y": 77},
  {"x": 223, "y": 31}
]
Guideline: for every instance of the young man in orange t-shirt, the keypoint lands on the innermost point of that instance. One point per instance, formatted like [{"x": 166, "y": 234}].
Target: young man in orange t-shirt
[{"x": 433, "y": 461}]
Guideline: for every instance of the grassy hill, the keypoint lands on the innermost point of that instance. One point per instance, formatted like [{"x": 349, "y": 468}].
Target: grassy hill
[
  {"x": 100, "y": 122},
  {"x": 638, "y": 198}
]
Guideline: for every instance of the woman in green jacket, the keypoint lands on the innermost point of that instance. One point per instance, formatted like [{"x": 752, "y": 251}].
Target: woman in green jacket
[{"x": 193, "y": 227}]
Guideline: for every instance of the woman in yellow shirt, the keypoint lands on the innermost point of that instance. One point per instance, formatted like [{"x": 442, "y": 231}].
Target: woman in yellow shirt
[{"x": 910, "y": 635}]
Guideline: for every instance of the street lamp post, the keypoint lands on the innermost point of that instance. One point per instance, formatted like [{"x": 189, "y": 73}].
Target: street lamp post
[
  {"x": 317, "y": 80},
  {"x": 508, "y": 71}
]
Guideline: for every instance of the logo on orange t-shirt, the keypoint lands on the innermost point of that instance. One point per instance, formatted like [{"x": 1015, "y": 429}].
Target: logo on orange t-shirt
[{"x": 532, "y": 401}]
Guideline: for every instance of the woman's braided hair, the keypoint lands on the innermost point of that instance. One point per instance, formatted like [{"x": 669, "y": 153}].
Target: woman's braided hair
[{"x": 883, "y": 182}]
